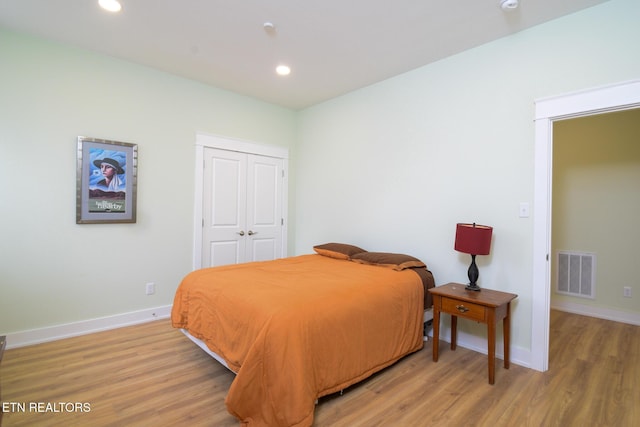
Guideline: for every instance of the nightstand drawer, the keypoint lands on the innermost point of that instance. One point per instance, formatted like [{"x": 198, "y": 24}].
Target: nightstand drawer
[{"x": 464, "y": 309}]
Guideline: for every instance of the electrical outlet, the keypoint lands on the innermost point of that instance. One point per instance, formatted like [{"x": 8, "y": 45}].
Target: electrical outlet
[
  {"x": 151, "y": 288},
  {"x": 626, "y": 291}
]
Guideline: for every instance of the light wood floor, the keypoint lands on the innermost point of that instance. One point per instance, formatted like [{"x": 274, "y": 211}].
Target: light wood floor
[{"x": 151, "y": 375}]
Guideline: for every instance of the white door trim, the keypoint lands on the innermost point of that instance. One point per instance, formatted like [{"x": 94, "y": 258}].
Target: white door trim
[
  {"x": 616, "y": 97},
  {"x": 231, "y": 144}
]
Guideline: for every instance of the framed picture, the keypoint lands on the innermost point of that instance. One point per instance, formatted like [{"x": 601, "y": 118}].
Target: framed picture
[{"x": 106, "y": 181}]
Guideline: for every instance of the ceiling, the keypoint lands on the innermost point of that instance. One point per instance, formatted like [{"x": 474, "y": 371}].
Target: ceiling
[{"x": 332, "y": 46}]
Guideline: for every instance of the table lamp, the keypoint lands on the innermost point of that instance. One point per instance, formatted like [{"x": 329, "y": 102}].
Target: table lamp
[{"x": 475, "y": 240}]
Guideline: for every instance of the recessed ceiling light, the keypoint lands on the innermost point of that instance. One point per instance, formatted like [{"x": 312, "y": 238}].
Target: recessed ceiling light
[
  {"x": 283, "y": 70},
  {"x": 110, "y": 5},
  {"x": 508, "y": 4},
  {"x": 269, "y": 27}
]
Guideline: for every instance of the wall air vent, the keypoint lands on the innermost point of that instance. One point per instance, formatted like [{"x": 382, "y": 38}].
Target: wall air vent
[{"x": 576, "y": 274}]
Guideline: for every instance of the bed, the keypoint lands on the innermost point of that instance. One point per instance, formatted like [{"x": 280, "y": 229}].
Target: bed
[{"x": 299, "y": 328}]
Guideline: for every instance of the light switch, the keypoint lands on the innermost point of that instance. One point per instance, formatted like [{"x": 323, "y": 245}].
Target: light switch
[{"x": 524, "y": 210}]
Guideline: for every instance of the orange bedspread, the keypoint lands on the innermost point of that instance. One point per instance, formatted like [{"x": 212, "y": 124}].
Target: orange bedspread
[{"x": 299, "y": 328}]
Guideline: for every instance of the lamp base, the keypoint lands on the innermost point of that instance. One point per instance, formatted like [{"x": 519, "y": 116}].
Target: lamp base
[{"x": 473, "y": 275}]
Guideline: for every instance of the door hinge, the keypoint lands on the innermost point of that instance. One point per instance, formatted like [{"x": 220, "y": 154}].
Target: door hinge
[
  {"x": 283, "y": 173},
  {"x": 281, "y": 221}
]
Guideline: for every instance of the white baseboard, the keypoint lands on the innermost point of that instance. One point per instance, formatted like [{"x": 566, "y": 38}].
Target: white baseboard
[
  {"x": 599, "y": 312},
  {"x": 518, "y": 355},
  {"x": 52, "y": 333}
]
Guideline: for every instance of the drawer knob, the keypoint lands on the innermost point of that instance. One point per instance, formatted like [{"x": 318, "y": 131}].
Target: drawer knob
[{"x": 461, "y": 308}]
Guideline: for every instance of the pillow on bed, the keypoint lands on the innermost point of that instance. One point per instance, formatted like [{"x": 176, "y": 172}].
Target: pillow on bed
[
  {"x": 389, "y": 260},
  {"x": 338, "y": 250}
]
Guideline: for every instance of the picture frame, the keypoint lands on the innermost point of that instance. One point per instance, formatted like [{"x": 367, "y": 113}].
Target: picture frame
[{"x": 106, "y": 181}]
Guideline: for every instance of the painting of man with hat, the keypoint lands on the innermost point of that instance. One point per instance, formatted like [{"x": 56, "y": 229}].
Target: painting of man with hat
[{"x": 107, "y": 180}]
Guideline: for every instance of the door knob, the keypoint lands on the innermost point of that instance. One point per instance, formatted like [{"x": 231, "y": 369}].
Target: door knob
[
  {"x": 251, "y": 233},
  {"x": 242, "y": 232}
]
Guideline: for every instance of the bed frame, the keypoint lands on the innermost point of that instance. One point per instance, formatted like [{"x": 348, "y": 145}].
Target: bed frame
[{"x": 206, "y": 349}]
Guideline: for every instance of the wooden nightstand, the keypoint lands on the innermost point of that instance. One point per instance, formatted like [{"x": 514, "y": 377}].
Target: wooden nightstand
[{"x": 487, "y": 306}]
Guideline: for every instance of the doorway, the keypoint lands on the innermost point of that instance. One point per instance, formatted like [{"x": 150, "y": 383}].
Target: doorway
[
  {"x": 589, "y": 102},
  {"x": 595, "y": 202}
]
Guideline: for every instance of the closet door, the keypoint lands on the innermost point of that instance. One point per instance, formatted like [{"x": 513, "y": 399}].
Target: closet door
[
  {"x": 264, "y": 208},
  {"x": 242, "y": 207},
  {"x": 224, "y": 207}
]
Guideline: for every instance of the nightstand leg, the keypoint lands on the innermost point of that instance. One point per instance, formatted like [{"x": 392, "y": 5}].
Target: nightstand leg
[
  {"x": 436, "y": 332},
  {"x": 506, "y": 331},
  {"x": 454, "y": 332},
  {"x": 491, "y": 328}
]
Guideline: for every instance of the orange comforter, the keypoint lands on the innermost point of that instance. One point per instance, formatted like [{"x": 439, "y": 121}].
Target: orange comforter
[{"x": 299, "y": 328}]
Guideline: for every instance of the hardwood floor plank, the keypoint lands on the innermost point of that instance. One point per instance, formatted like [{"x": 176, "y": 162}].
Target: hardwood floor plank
[{"x": 151, "y": 374}]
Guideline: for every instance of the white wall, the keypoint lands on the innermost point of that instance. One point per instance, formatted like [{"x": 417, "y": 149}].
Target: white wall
[
  {"x": 396, "y": 165},
  {"x": 53, "y": 271}
]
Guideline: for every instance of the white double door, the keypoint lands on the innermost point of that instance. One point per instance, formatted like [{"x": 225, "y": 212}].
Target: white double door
[{"x": 242, "y": 207}]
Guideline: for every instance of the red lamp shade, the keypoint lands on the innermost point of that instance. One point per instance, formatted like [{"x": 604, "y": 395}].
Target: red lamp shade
[{"x": 473, "y": 239}]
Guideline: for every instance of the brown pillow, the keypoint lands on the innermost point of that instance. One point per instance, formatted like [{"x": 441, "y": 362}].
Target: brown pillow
[
  {"x": 389, "y": 260},
  {"x": 338, "y": 250}
]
